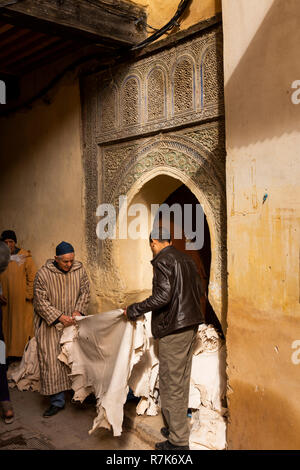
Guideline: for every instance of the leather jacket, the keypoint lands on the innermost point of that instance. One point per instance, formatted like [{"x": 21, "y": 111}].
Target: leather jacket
[{"x": 176, "y": 293}]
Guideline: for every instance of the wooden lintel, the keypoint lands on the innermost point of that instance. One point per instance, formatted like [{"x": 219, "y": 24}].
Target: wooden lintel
[{"x": 103, "y": 21}]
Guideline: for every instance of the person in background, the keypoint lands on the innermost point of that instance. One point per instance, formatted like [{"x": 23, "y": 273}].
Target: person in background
[
  {"x": 17, "y": 295},
  {"x": 5, "y": 403},
  {"x": 61, "y": 292}
]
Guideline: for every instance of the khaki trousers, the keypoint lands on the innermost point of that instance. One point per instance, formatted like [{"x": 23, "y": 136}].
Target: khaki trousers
[{"x": 175, "y": 363}]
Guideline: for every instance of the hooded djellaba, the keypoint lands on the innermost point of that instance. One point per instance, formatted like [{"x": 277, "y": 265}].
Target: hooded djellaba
[
  {"x": 59, "y": 291},
  {"x": 17, "y": 290}
]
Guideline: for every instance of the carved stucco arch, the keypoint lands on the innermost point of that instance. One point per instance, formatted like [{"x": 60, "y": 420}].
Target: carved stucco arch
[{"x": 200, "y": 170}]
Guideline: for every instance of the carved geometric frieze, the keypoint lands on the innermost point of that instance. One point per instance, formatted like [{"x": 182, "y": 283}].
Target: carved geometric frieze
[
  {"x": 192, "y": 152},
  {"x": 108, "y": 109},
  {"x": 130, "y": 102},
  {"x": 176, "y": 91},
  {"x": 184, "y": 86},
  {"x": 194, "y": 156},
  {"x": 156, "y": 95},
  {"x": 211, "y": 75},
  {"x": 178, "y": 86}
]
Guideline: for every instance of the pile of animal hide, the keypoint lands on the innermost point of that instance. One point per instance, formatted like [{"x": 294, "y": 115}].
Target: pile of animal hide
[
  {"x": 108, "y": 354},
  {"x": 26, "y": 374}
]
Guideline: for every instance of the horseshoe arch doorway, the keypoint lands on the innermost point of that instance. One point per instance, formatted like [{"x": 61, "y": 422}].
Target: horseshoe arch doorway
[{"x": 132, "y": 256}]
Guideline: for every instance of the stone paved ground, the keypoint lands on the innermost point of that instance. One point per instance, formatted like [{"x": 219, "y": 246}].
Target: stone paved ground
[{"x": 68, "y": 430}]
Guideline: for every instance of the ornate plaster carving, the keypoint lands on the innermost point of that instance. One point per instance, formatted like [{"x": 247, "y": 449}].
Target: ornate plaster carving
[
  {"x": 170, "y": 96},
  {"x": 195, "y": 157},
  {"x": 183, "y": 81},
  {"x": 156, "y": 95},
  {"x": 171, "y": 88}
]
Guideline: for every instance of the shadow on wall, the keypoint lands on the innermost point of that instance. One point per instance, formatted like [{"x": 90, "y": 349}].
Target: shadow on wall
[{"x": 260, "y": 107}]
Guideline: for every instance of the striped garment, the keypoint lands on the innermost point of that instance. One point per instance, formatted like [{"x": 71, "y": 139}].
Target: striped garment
[{"x": 55, "y": 293}]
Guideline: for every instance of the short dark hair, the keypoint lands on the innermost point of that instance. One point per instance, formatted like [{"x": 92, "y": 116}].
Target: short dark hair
[
  {"x": 160, "y": 234},
  {"x": 8, "y": 235}
]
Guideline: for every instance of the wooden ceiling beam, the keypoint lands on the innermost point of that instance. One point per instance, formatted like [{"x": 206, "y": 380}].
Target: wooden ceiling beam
[
  {"x": 51, "y": 56},
  {"x": 17, "y": 45},
  {"x": 11, "y": 35},
  {"x": 102, "y": 21},
  {"x": 5, "y": 27},
  {"x": 37, "y": 56},
  {"x": 40, "y": 45}
]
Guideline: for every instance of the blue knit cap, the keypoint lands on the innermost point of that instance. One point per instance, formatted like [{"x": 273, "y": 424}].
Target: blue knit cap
[{"x": 63, "y": 248}]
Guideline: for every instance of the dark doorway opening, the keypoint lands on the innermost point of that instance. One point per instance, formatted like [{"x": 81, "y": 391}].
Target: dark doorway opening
[{"x": 202, "y": 257}]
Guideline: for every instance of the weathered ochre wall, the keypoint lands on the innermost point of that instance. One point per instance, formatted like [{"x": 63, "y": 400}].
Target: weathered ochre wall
[
  {"x": 159, "y": 12},
  {"x": 41, "y": 182},
  {"x": 261, "y": 60}
]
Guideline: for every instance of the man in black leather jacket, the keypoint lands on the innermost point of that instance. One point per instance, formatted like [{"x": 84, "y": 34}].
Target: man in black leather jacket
[{"x": 176, "y": 314}]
